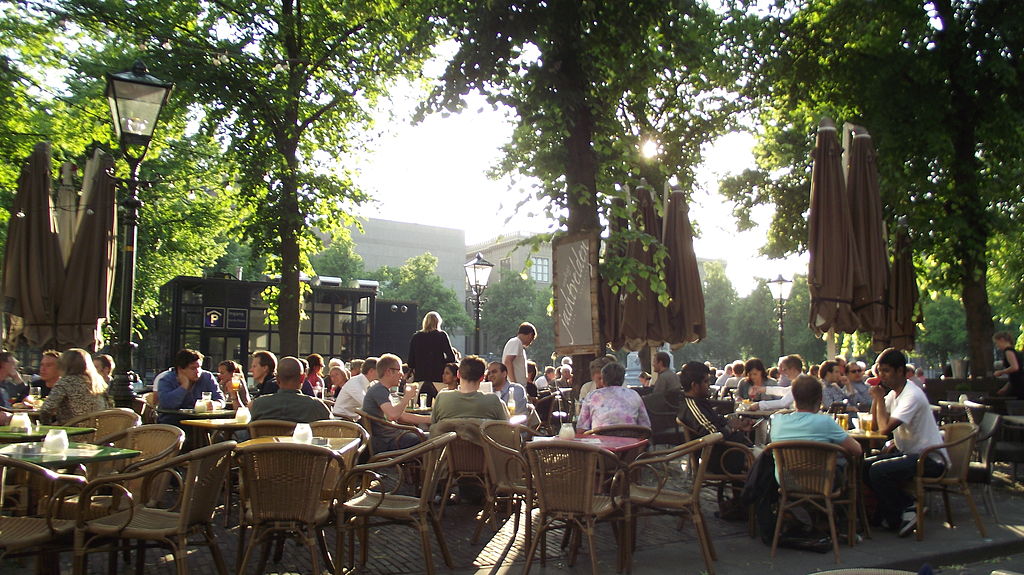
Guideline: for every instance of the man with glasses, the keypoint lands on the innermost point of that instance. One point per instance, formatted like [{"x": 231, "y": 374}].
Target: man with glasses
[
  {"x": 378, "y": 404},
  {"x": 856, "y": 390}
]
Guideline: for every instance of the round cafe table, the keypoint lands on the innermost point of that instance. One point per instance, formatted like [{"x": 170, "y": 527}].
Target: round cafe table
[{"x": 10, "y": 434}]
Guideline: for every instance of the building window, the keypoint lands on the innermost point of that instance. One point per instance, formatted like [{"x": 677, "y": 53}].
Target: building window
[{"x": 540, "y": 270}]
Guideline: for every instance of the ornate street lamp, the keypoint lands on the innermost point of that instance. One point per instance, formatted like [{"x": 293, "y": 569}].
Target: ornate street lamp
[
  {"x": 478, "y": 271},
  {"x": 781, "y": 288},
  {"x": 136, "y": 99}
]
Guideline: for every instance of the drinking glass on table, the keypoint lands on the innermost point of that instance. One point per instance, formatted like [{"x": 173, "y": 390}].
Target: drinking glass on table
[{"x": 34, "y": 394}]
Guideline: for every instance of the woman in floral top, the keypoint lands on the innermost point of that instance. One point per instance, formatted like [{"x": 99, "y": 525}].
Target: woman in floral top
[
  {"x": 79, "y": 391},
  {"x": 612, "y": 404}
]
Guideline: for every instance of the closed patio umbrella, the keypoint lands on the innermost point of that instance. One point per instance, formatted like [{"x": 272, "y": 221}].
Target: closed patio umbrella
[
  {"x": 611, "y": 302},
  {"x": 33, "y": 264},
  {"x": 903, "y": 313},
  {"x": 640, "y": 309},
  {"x": 92, "y": 260},
  {"x": 830, "y": 238},
  {"x": 686, "y": 310},
  {"x": 871, "y": 270}
]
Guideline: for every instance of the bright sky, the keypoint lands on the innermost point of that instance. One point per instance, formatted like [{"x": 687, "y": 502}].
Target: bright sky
[{"x": 436, "y": 173}]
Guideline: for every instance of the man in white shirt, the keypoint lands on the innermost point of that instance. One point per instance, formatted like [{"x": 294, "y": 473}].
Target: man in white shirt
[
  {"x": 902, "y": 410},
  {"x": 547, "y": 380},
  {"x": 514, "y": 354},
  {"x": 351, "y": 396}
]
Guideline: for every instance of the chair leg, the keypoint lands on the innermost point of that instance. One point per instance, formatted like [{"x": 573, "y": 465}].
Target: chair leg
[
  {"x": 325, "y": 553},
  {"x": 241, "y": 546},
  {"x": 778, "y": 526},
  {"x": 446, "y": 493},
  {"x": 589, "y": 532},
  {"x": 707, "y": 545},
  {"x": 919, "y": 492},
  {"x": 247, "y": 553},
  {"x": 181, "y": 559},
  {"x": 140, "y": 557},
  {"x": 990, "y": 502},
  {"x": 428, "y": 557},
  {"x": 626, "y": 543},
  {"x": 78, "y": 554},
  {"x": 945, "y": 504},
  {"x": 218, "y": 557},
  {"x": 974, "y": 509},
  {"x": 309, "y": 539},
  {"x": 435, "y": 522},
  {"x": 831, "y": 517}
]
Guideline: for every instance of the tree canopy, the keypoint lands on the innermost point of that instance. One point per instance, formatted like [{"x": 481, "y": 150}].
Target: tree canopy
[{"x": 937, "y": 85}]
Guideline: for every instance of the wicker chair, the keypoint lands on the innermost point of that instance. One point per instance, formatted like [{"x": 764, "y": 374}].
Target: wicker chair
[
  {"x": 657, "y": 499},
  {"x": 367, "y": 421},
  {"x": 38, "y": 532},
  {"x": 570, "y": 490},
  {"x": 271, "y": 428},
  {"x": 807, "y": 474},
  {"x": 465, "y": 454},
  {"x": 960, "y": 439},
  {"x": 281, "y": 486},
  {"x": 509, "y": 475},
  {"x": 340, "y": 428},
  {"x": 106, "y": 422},
  {"x": 205, "y": 470},
  {"x": 722, "y": 477},
  {"x": 385, "y": 505},
  {"x": 980, "y": 472}
]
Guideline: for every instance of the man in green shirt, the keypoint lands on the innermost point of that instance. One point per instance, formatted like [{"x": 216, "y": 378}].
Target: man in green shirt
[{"x": 467, "y": 400}]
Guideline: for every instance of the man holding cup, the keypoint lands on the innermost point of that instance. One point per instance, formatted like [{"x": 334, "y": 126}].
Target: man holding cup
[{"x": 378, "y": 404}]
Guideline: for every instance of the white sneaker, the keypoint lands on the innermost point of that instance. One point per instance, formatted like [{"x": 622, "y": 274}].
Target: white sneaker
[{"x": 908, "y": 522}]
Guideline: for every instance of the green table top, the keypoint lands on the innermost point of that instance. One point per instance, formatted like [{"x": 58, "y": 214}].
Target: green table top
[
  {"x": 193, "y": 414},
  {"x": 8, "y": 435},
  {"x": 76, "y": 453}
]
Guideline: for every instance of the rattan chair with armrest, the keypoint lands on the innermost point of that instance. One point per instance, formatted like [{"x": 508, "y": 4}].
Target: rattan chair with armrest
[
  {"x": 572, "y": 490},
  {"x": 375, "y": 498},
  {"x": 960, "y": 439},
  {"x": 204, "y": 472},
  {"x": 980, "y": 471},
  {"x": 509, "y": 475},
  {"x": 648, "y": 493},
  {"x": 466, "y": 461},
  {"x": 282, "y": 486},
  {"x": 107, "y": 422},
  {"x": 271, "y": 428},
  {"x": 34, "y": 532},
  {"x": 806, "y": 471}
]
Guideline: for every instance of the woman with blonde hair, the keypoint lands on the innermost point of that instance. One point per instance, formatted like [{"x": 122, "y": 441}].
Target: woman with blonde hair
[
  {"x": 429, "y": 351},
  {"x": 79, "y": 391}
]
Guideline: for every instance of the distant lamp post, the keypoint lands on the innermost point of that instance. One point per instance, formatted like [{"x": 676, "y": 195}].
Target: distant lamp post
[
  {"x": 781, "y": 287},
  {"x": 136, "y": 99},
  {"x": 478, "y": 271}
]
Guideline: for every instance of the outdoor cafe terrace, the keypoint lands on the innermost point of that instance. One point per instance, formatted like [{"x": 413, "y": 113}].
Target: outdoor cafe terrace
[{"x": 128, "y": 481}]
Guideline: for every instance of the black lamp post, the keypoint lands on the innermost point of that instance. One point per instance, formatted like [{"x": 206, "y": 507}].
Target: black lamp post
[
  {"x": 781, "y": 287},
  {"x": 136, "y": 99},
  {"x": 478, "y": 271}
]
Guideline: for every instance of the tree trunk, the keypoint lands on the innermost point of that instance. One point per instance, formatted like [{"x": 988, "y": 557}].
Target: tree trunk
[
  {"x": 971, "y": 246},
  {"x": 290, "y": 294}
]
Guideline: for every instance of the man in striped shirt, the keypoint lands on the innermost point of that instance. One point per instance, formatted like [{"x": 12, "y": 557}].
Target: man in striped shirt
[{"x": 697, "y": 413}]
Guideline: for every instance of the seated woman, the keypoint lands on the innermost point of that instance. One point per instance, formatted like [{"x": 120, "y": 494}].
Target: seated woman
[
  {"x": 611, "y": 403},
  {"x": 450, "y": 377},
  {"x": 79, "y": 391},
  {"x": 232, "y": 383},
  {"x": 753, "y": 385}
]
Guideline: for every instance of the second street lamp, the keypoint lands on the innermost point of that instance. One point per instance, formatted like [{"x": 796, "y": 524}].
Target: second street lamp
[
  {"x": 781, "y": 288},
  {"x": 478, "y": 271},
  {"x": 135, "y": 99}
]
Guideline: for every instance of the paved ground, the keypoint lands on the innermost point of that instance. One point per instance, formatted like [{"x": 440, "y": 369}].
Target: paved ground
[{"x": 662, "y": 548}]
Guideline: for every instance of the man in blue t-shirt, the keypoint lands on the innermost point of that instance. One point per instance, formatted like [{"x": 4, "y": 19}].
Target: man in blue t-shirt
[{"x": 807, "y": 423}]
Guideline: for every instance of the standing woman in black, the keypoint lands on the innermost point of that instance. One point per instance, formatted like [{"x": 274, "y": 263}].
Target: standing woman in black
[{"x": 429, "y": 350}]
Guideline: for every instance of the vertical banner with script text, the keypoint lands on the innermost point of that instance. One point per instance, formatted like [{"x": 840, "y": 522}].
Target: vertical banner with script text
[{"x": 577, "y": 327}]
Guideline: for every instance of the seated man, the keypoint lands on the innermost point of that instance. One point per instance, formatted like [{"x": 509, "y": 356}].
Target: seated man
[
  {"x": 378, "y": 404},
  {"x": 352, "y": 394},
  {"x": 807, "y": 423},
  {"x": 903, "y": 411},
  {"x": 467, "y": 400},
  {"x": 790, "y": 368},
  {"x": 611, "y": 403},
  {"x": 497, "y": 374},
  {"x": 288, "y": 403},
  {"x": 181, "y": 386},
  {"x": 697, "y": 413}
]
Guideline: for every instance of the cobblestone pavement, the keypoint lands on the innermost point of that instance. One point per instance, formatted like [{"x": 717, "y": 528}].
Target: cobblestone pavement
[{"x": 396, "y": 549}]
